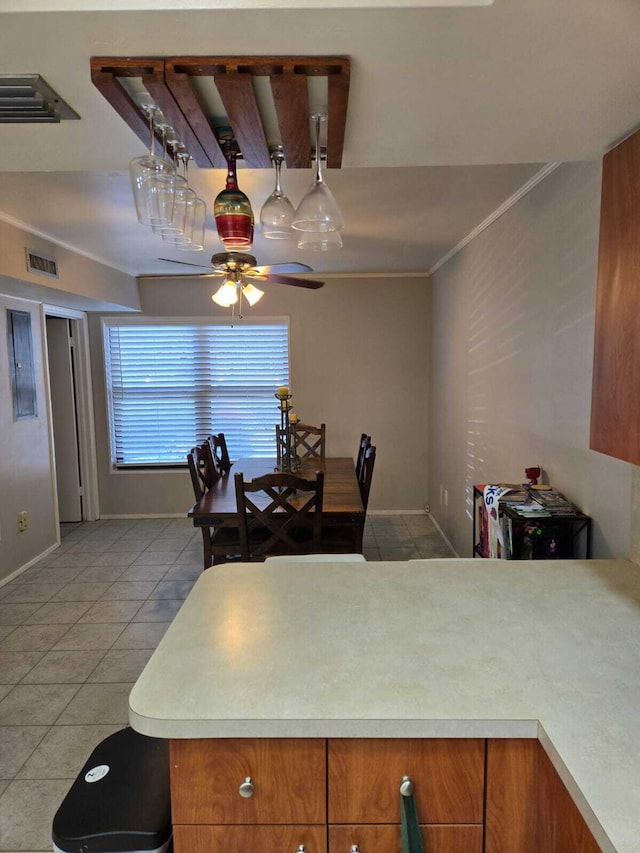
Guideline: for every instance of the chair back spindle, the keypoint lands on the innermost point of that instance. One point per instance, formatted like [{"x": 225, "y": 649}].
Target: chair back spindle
[
  {"x": 365, "y": 441},
  {"x": 368, "y": 463},
  {"x": 309, "y": 441}
]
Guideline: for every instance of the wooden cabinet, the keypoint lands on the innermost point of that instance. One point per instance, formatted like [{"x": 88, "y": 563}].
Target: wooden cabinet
[
  {"x": 472, "y": 796},
  {"x": 615, "y": 404},
  {"x": 276, "y": 838},
  {"x": 365, "y": 776},
  {"x": 364, "y": 793},
  {"x": 288, "y": 776},
  {"x": 382, "y": 838},
  {"x": 529, "y": 810}
]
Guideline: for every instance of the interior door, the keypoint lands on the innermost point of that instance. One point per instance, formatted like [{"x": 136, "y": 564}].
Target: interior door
[{"x": 65, "y": 426}]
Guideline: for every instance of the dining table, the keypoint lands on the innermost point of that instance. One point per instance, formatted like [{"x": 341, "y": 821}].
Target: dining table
[{"x": 342, "y": 503}]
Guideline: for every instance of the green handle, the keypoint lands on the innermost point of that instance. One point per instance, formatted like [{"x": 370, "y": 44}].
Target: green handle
[{"x": 411, "y": 836}]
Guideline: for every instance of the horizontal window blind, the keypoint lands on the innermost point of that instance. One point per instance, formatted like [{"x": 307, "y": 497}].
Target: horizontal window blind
[{"x": 170, "y": 386}]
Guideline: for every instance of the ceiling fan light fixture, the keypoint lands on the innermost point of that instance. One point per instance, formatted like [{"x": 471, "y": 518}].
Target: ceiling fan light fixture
[
  {"x": 252, "y": 294},
  {"x": 226, "y": 295}
]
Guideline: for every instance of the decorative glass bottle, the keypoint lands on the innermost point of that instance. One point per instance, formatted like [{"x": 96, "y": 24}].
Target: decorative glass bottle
[{"x": 233, "y": 213}]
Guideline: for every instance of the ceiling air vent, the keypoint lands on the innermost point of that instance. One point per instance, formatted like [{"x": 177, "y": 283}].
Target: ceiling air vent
[
  {"x": 28, "y": 98},
  {"x": 41, "y": 264}
]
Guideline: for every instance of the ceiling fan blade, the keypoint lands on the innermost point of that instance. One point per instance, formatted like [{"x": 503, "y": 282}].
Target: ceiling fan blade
[
  {"x": 283, "y": 269},
  {"x": 193, "y": 275},
  {"x": 309, "y": 283},
  {"x": 186, "y": 263}
]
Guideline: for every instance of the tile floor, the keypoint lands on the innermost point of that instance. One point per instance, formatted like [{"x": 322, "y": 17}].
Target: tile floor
[{"x": 77, "y": 629}]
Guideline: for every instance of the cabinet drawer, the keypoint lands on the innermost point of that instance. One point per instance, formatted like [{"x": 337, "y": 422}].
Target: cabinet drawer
[
  {"x": 442, "y": 838},
  {"x": 289, "y": 778},
  {"x": 365, "y": 776},
  {"x": 249, "y": 839}
]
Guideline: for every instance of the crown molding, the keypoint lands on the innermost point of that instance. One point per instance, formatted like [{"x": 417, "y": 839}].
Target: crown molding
[{"x": 497, "y": 213}]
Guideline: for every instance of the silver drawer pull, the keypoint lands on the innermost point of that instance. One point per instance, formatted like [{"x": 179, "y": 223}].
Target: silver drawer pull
[
  {"x": 406, "y": 786},
  {"x": 354, "y": 848},
  {"x": 301, "y": 848},
  {"x": 247, "y": 788}
]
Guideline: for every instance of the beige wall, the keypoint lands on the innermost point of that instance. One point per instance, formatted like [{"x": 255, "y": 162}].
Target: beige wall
[
  {"x": 359, "y": 362},
  {"x": 25, "y": 475},
  {"x": 512, "y": 349},
  {"x": 83, "y": 283}
]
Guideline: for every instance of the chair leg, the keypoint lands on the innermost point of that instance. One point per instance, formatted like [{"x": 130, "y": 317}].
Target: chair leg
[{"x": 206, "y": 541}]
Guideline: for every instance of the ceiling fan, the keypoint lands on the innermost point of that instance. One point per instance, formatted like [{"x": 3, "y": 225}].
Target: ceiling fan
[
  {"x": 240, "y": 263},
  {"x": 240, "y": 271}
]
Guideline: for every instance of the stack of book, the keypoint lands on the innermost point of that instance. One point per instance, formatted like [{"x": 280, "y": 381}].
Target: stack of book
[{"x": 554, "y": 503}]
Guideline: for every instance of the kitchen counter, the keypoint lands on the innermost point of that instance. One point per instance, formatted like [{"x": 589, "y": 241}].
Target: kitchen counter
[{"x": 428, "y": 648}]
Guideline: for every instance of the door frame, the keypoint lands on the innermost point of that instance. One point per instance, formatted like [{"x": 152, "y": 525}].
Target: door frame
[{"x": 84, "y": 409}]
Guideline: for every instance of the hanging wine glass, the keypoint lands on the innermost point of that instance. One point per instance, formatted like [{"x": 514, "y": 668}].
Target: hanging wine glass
[
  {"x": 318, "y": 211},
  {"x": 195, "y": 220},
  {"x": 319, "y": 241},
  {"x": 232, "y": 211},
  {"x": 277, "y": 212},
  {"x": 181, "y": 195},
  {"x": 169, "y": 183},
  {"x": 153, "y": 200}
]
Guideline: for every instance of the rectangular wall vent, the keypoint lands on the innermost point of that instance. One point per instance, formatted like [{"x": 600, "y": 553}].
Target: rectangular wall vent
[
  {"x": 41, "y": 264},
  {"x": 28, "y": 98}
]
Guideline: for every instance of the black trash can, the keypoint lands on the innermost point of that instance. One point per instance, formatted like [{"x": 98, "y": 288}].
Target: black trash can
[{"x": 120, "y": 802}]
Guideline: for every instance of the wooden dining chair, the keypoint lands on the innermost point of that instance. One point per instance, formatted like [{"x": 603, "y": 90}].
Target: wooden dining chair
[
  {"x": 220, "y": 542},
  {"x": 316, "y": 558},
  {"x": 202, "y": 469},
  {"x": 284, "y": 517},
  {"x": 365, "y": 441},
  {"x": 281, "y": 444},
  {"x": 345, "y": 538},
  {"x": 368, "y": 462},
  {"x": 220, "y": 454},
  {"x": 309, "y": 441}
]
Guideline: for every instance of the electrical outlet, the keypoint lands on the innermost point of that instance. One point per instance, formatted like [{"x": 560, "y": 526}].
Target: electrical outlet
[
  {"x": 23, "y": 521},
  {"x": 446, "y": 497}
]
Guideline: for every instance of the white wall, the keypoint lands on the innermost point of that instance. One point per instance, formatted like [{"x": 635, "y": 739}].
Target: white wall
[
  {"x": 512, "y": 325},
  {"x": 25, "y": 476},
  {"x": 359, "y": 362}
]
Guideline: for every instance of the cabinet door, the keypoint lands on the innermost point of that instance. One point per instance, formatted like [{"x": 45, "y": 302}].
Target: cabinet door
[
  {"x": 365, "y": 776},
  {"x": 452, "y": 838},
  {"x": 529, "y": 810},
  {"x": 288, "y": 776},
  {"x": 560, "y": 825},
  {"x": 615, "y": 403},
  {"x": 249, "y": 839}
]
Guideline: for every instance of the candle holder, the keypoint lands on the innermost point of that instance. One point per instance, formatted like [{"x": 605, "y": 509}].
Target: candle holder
[{"x": 287, "y": 453}]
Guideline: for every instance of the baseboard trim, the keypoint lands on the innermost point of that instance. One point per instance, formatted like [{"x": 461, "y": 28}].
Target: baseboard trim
[
  {"x": 395, "y": 512},
  {"x": 138, "y": 516},
  {"x": 439, "y": 529},
  {"x": 28, "y": 565}
]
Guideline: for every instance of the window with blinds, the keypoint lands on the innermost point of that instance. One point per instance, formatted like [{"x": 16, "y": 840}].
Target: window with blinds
[{"x": 172, "y": 384}]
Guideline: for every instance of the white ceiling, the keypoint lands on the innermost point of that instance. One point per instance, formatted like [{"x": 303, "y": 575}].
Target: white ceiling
[{"x": 451, "y": 111}]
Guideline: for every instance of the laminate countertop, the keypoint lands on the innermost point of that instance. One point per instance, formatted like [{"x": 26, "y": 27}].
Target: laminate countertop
[{"x": 426, "y": 648}]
